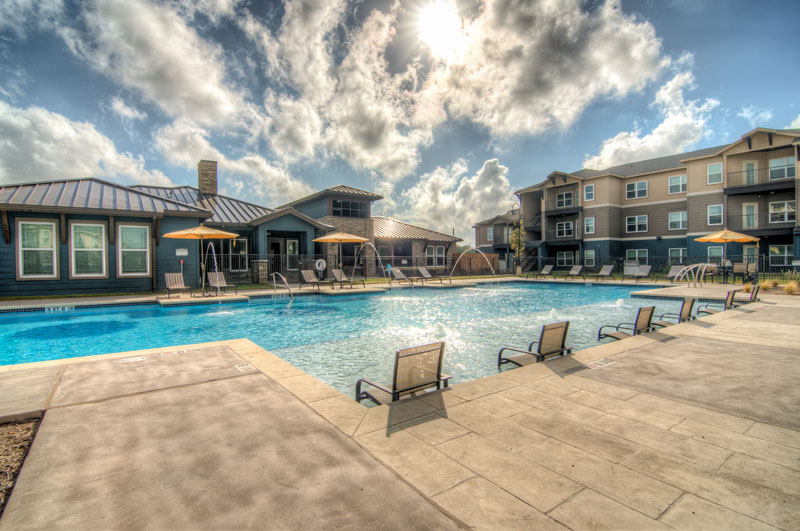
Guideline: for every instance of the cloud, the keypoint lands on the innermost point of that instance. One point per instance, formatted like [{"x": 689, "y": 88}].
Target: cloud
[
  {"x": 42, "y": 145},
  {"x": 684, "y": 124},
  {"x": 125, "y": 111},
  {"x": 755, "y": 116},
  {"x": 795, "y": 123},
  {"x": 448, "y": 198},
  {"x": 18, "y": 15}
]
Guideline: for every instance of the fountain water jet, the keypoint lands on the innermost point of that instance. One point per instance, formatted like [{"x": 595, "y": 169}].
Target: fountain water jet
[
  {"x": 205, "y": 266},
  {"x": 465, "y": 252},
  {"x": 619, "y": 303},
  {"x": 355, "y": 262},
  {"x": 553, "y": 314}
]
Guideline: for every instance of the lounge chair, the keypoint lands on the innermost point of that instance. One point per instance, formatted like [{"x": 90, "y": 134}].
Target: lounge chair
[
  {"x": 547, "y": 271},
  {"x": 642, "y": 324},
  {"x": 216, "y": 280},
  {"x": 727, "y": 305},
  {"x": 605, "y": 272},
  {"x": 396, "y": 274},
  {"x": 307, "y": 276},
  {"x": 415, "y": 369},
  {"x": 643, "y": 272},
  {"x": 629, "y": 270},
  {"x": 753, "y": 296},
  {"x": 341, "y": 278},
  {"x": 674, "y": 271},
  {"x": 685, "y": 314},
  {"x": 174, "y": 282},
  {"x": 426, "y": 276},
  {"x": 575, "y": 272},
  {"x": 551, "y": 342}
]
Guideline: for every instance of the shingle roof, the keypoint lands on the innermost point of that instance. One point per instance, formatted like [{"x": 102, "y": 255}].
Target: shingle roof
[
  {"x": 338, "y": 189},
  {"x": 226, "y": 210},
  {"x": 507, "y": 217},
  {"x": 93, "y": 195},
  {"x": 391, "y": 229},
  {"x": 649, "y": 165}
]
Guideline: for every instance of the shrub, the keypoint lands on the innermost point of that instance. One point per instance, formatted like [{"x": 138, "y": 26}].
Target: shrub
[
  {"x": 769, "y": 284},
  {"x": 791, "y": 288},
  {"x": 748, "y": 287}
]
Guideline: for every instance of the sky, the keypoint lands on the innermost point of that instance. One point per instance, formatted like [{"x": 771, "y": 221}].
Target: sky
[{"x": 444, "y": 107}]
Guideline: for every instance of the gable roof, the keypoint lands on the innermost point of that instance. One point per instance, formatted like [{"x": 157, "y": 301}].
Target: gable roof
[
  {"x": 508, "y": 217},
  {"x": 338, "y": 189},
  {"x": 291, "y": 212},
  {"x": 650, "y": 165},
  {"x": 225, "y": 210},
  {"x": 89, "y": 195},
  {"x": 391, "y": 229}
]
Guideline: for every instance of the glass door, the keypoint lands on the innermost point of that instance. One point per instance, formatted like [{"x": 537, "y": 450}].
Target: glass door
[
  {"x": 750, "y": 172},
  {"x": 238, "y": 255},
  {"x": 292, "y": 254},
  {"x": 749, "y": 215}
]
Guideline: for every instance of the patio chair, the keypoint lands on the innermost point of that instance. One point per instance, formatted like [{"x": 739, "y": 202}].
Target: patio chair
[
  {"x": 341, "y": 278},
  {"x": 643, "y": 272},
  {"x": 629, "y": 270},
  {"x": 642, "y": 325},
  {"x": 575, "y": 272},
  {"x": 547, "y": 271},
  {"x": 605, "y": 272},
  {"x": 673, "y": 272},
  {"x": 216, "y": 280},
  {"x": 425, "y": 275},
  {"x": 685, "y": 314},
  {"x": 740, "y": 269},
  {"x": 399, "y": 276},
  {"x": 307, "y": 276},
  {"x": 174, "y": 282},
  {"x": 551, "y": 342},
  {"x": 727, "y": 305},
  {"x": 415, "y": 369}
]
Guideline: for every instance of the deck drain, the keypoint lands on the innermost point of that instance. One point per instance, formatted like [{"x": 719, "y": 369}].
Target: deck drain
[
  {"x": 132, "y": 359},
  {"x": 244, "y": 367},
  {"x": 599, "y": 364}
]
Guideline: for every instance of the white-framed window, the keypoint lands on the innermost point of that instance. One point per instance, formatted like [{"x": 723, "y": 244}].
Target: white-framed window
[
  {"x": 440, "y": 255},
  {"x": 636, "y": 254},
  {"x": 714, "y": 214},
  {"x": 677, "y": 220},
  {"x": 37, "y": 255},
  {"x": 636, "y": 190},
  {"x": 87, "y": 247},
  {"x": 588, "y": 225},
  {"x": 564, "y": 199},
  {"x": 781, "y": 255},
  {"x": 782, "y": 211},
  {"x": 677, "y": 184},
  {"x": 782, "y": 168},
  {"x": 588, "y": 258},
  {"x": 714, "y": 173},
  {"x": 564, "y": 229},
  {"x": 434, "y": 256},
  {"x": 564, "y": 258},
  {"x": 133, "y": 250},
  {"x": 588, "y": 192},
  {"x": 677, "y": 255},
  {"x": 636, "y": 223},
  {"x": 715, "y": 254},
  {"x": 490, "y": 233}
]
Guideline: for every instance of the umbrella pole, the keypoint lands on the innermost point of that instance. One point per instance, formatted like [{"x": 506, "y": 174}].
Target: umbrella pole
[{"x": 202, "y": 270}]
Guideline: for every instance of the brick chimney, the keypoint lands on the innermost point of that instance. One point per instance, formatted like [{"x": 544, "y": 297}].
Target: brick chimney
[{"x": 207, "y": 177}]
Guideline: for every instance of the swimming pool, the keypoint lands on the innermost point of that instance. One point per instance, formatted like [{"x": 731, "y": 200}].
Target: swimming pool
[{"x": 339, "y": 339}]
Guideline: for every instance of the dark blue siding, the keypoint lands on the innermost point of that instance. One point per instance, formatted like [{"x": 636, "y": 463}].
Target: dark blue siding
[{"x": 315, "y": 208}]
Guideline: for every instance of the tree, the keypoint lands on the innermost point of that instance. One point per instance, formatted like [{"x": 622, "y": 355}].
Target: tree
[{"x": 517, "y": 242}]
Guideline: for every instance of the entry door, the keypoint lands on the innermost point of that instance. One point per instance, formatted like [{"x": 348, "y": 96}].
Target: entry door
[
  {"x": 749, "y": 215},
  {"x": 239, "y": 261},
  {"x": 750, "y": 171},
  {"x": 292, "y": 254},
  {"x": 750, "y": 254}
]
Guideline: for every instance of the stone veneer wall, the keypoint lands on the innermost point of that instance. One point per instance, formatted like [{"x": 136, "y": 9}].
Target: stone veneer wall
[{"x": 357, "y": 226}]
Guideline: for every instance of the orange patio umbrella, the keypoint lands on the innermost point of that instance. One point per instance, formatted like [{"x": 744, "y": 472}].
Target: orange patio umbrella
[
  {"x": 340, "y": 238},
  {"x": 725, "y": 236},
  {"x": 201, "y": 232}
]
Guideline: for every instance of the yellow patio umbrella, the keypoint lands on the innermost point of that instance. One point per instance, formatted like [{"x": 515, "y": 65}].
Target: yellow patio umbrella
[
  {"x": 725, "y": 236},
  {"x": 340, "y": 238},
  {"x": 201, "y": 232}
]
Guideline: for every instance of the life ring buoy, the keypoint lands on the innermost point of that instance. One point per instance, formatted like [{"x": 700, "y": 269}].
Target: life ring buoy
[{"x": 320, "y": 264}]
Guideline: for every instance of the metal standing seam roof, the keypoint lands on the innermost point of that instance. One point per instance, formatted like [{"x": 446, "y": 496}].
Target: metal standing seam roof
[
  {"x": 391, "y": 229},
  {"x": 91, "y": 194},
  {"x": 338, "y": 189},
  {"x": 225, "y": 210}
]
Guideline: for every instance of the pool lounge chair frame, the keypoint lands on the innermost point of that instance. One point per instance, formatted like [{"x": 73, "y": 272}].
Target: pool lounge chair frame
[
  {"x": 606, "y": 272},
  {"x": 399, "y": 276},
  {"x": 552, "y": 342},
  {"x": 575, "y": 272},
  {"x": 415, "y": 369},
  {"x": 641, "y": 325},
  {"x": 752, "y": 298},
  {"x": 683, "y": 315},
  {"x": 307, "y": 276},
  {"x": 174, "y": 282},
  {"x": 216, "y": 280},
  {"x": 341, "y": 278},
  {"x": 547, "y": 271},
  {"x": 673, "y": 272},
  {"x": 727, "y": 305},
  {"x": 425, "y": 276}
]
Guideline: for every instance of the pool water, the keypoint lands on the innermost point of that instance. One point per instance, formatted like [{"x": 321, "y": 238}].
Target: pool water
[{"x": 340, "y": 339}]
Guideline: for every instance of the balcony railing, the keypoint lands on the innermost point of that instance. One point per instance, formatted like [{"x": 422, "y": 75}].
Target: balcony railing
[
  {"x": 554, "y": 234},
  {"x": 752, "y": 177},
  {"x": 762, "y": 221}
]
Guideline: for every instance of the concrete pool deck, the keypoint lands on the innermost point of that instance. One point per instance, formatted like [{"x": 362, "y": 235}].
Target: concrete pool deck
[{"x": 691, "y": 427}]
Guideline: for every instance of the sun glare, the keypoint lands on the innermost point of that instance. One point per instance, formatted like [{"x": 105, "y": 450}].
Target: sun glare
[{"x": 440, "y": 29}]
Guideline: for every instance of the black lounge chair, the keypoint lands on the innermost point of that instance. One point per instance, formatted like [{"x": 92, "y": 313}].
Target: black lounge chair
[
  {"x": 685, "y": 314},
  {"x": 341, "y": 278},
  {"x": 415, "y": 369},
  {"x": 216, "y": 281},
  {"x": 547, "y": 271},
  {"x": 396, "y": 274},
  {"x": 174, "y": 282},
  {"x": 425, "y": 275},
  {"x": 605, "y": 272},
  {"x": 575, "y": 272},
  {"x": 727, "y": 305},
  {"x": 551, "y": 342},
  {"x": 642, "y": 325},
  {"x": 307, "y": 276}
]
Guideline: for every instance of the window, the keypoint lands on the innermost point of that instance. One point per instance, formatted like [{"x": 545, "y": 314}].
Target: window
[
  {"x": 677, "y": 220},
  {"x": 588, "y": 258},
  {"x": 440, "y": 255},
  {"x": 564, "y": 200},
  {"x": 781, "y": 255},
  {"x": 782, "y": 211},
  {"x": 564, "y": 258},
  {"x": 636, "y": 223},
  {"x": 715, "y": 173},
  {"x": 677, "y": 255},
  {"x": 36, "y": 249},
  {"x": 564, "y": 229},
  {"x": 677, "y": 184},
  {"x": 87, "y": 250},
  {"x": 636, "y": 254},
  {"x": 349, "y": 209},
  {"x": 636, "y": 190},
  {"x": 490, "y": 233},
  {"x": 134, "y": 250},
  {"x": 588, "y": 192},
  {"x": 384, "y": 251},
  {"x": 715, "y": 255},
  {"x": 434, "y": 256},
  {"x": 715, "y": 214},
  {"x": 782, "y": 168},
  {"x": 588, "y": 225}
]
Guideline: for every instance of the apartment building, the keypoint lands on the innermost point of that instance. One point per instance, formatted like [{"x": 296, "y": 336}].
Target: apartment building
[
  {"x": 656, "y": 208},
  {"x": 494, "y": 236}
]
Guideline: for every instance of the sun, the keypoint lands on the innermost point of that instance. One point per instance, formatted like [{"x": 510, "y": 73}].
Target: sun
[{"x": 441, "y": 30}]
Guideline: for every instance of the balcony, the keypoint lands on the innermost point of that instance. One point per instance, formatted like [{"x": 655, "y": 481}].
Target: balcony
[
  {"x": 760, "y": 180},
  {"x": 554, "y": 236},
  {"x": 562, "y": 208},
  {"x": 533, "y": 224},
  {"x": 763, "y": 223}
]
